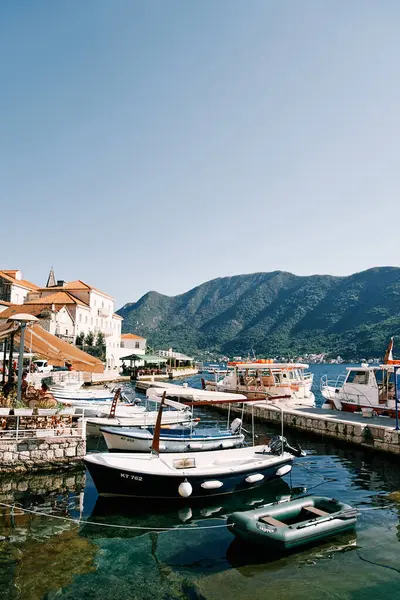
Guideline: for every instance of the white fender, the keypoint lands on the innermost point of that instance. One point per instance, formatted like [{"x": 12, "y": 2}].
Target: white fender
[
  {"x": 284, "y": 470},
  {"x": 254, "y": 478},
  {"x": 185, "y": 489},
  {"x": 212, "y": 485},
  {"x": 195, "y": 446}
]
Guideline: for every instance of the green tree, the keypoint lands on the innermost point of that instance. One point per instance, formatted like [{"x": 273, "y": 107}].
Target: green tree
[
  {"x": 80, "y": 338},
  {"x": 100, "y": 346},
  {"x": 89, "y": 339}
]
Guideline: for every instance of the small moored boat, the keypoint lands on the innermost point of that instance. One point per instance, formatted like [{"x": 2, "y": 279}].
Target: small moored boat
[
  {"x": 293, "y": 523},
  {"x": 180, "y": 439},
  {"x": 180, "y": 476}
]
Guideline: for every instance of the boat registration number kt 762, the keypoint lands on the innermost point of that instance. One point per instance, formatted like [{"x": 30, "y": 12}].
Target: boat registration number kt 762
[{"x": 134, "y": 477}]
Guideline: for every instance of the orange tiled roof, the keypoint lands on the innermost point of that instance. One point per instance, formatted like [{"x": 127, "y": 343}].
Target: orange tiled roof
[
  {"x": 57, "y": 298},
  {"x": 77, "y": 285},
  {"x": 21, "y": 282},
  {"x": 31, "y": 309},
  {"x": 131, "y": 336}
]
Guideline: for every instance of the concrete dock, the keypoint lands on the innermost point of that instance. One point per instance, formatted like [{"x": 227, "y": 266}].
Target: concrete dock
[{"x": 377, "y": 433}]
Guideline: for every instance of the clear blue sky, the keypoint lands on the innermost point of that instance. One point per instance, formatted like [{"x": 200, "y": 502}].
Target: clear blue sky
[{"x": 158, "y": 144}]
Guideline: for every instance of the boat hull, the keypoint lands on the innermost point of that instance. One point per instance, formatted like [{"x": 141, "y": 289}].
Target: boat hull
[
  {"x": 114, "y": 481},
  {"x": 140, "y": 442},
  {"x": 293, "y": 400},
  {"x": 94, "y": 424}
]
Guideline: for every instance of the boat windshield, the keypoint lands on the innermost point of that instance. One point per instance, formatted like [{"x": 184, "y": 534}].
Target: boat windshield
[{"x": 358, "y": 377}]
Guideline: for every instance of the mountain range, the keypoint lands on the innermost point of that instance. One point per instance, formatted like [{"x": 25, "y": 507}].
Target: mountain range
[{"x": 275, "y": 314}]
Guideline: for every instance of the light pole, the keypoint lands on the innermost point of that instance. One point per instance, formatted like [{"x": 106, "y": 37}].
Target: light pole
[{"x": 23, "y": 319}]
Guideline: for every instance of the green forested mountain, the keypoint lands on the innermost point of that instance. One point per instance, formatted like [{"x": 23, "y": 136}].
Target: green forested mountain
[{"x": 275, "y": 314}]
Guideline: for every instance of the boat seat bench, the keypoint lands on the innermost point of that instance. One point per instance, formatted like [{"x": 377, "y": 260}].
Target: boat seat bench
[
  {"x": 271, "y": 521},
  {"x": 276, "y": 523},
  {"x": 315, "y": 511}
]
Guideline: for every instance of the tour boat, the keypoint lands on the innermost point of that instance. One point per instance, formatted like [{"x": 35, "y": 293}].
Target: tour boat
[
  {"x": 179, "y": 439},
  {"x": 289, "y": 524},
  {"x": 264, "y": 379}
]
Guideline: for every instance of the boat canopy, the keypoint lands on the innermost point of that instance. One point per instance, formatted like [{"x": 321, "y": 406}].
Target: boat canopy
[
  {"x": 194, "y": 394},
  {"x": 146, "y": 358}
]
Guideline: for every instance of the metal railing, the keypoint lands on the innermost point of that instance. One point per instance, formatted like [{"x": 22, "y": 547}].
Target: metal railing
[{"x": 17, "y": 428}]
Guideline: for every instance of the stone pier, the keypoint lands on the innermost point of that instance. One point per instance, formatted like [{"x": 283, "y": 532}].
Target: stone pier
[{"x": 346, "y": 427}]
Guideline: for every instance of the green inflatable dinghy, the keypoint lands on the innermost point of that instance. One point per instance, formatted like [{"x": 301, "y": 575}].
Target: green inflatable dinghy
[{"x": 289, "y": 524}]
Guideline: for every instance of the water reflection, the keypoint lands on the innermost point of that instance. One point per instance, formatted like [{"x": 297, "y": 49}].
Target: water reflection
[
  {"x": 161, "y": 514},
  {"x": 41, "y": 557},
  {"x": 248, "y": 558}
]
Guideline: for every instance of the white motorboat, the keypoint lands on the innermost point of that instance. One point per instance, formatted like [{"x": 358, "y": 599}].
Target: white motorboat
[
  {"x": 369, "y": 389},
  {"x": 177, "y": 414},
  {"x": 217, "y": 370},
  {"x": 67, "y": 394},
  {"x": 179, "y": 439},
  {"x": 264, "y": 379}
]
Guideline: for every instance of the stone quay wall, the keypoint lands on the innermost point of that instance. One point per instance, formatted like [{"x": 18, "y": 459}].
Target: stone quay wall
[
  {"x": 31, "y": 454},
  {"x": 362, "y": 433},
  {"x": 39, "y": 442}
]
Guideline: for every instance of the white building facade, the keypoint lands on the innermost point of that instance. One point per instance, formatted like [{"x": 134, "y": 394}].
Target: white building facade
[
  {"x": 13, "y": 288},
  {"x": 91, "y": 311}
]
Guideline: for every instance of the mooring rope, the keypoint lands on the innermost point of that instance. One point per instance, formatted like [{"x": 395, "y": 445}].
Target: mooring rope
[
  {"x": 113, "y": 525},
  {"x": 330, "y": 480}
]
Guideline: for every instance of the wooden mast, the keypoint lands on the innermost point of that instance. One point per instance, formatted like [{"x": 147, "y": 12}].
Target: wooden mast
[
  {"x": 155, "y": 447},
  {"x": 114, "y": 403}
]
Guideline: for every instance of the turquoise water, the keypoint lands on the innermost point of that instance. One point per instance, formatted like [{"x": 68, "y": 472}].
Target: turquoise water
[{"x": 46, "y": 558}]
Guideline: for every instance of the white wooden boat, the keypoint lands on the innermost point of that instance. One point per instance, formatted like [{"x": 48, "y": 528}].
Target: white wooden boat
[
  {"x": 185, "y": 475},
  {"x": 144, "y": 419},
  {"x": 179, "y": 439},
  {"x": 68, "y": 395}
]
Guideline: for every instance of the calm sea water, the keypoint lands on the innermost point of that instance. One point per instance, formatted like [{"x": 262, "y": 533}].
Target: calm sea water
[{"x": 46, "y": 558}]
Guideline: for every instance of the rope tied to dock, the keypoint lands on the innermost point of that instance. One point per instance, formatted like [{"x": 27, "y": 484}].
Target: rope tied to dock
[{"x": 80, "y": 522}]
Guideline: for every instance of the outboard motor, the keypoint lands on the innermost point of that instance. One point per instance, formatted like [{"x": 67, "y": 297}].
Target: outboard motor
[
  {"x": 236, "y": 425},
  {"x": 279, "y": 444}
]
